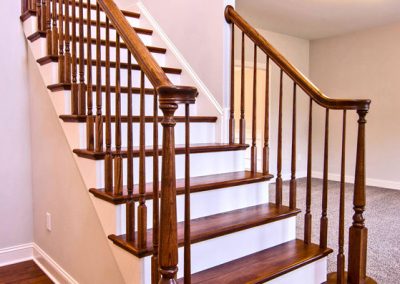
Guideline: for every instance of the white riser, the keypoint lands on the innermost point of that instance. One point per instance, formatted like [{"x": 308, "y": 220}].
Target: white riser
[
  {"x": 218, "y": 201},
  {"x": 52, "y": 70},
  {"x": 149, "y": 99},
  {"x": 197, "y": 136},
  {"x": 232, "y": 161},
  {"x": 131, "y": 20}
]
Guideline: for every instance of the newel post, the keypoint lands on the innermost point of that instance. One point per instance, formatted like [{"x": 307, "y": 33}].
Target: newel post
[
  {"x": 358, "y": 233},
  {"x": 169, "y": 98}
]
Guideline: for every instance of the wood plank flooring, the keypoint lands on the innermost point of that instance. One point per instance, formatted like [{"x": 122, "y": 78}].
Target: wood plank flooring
[{"x": 23, "y": 273}]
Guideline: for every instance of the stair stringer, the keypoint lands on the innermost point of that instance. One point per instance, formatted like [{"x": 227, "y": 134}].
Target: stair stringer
[{"x": 75, "y": 243}]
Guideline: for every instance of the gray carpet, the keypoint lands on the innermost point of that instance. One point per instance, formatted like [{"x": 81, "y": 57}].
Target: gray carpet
[{"x": 382, "y": 221}]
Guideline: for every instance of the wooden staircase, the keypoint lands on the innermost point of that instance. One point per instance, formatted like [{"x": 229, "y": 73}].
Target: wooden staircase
[{"x": 95, "y": 48}]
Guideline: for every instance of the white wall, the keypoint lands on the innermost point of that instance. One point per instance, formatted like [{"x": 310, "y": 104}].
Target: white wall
[
  {"x": 296, "y": 50},
  {"x": 15, "y": 172},
  {"x": 364, "y": 64},
  {"x": 197, "y": 28}
]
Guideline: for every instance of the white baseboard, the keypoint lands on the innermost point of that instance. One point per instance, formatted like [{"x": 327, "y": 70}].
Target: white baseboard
[
  {"x": 49, "y": 266},
  {"x": 15, "y": 254},
  {"x": 369, "y": 181},
  {"x": 32, "y": 251}
]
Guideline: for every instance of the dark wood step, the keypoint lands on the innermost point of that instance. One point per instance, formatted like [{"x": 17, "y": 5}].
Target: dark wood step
[
  {"x": 54, "y": 58},
  {"x": 124, "y": 90},
  {"x": 197, "y": 184},
  {"x": 214, "y": 226},
  {"x": 262, "y": 266},
  {"x": 30, "y": 13},
  {"x": 179, "y": 150},
  {"x": 148, "y": 119},
  {"x": 153, "y": 49}
]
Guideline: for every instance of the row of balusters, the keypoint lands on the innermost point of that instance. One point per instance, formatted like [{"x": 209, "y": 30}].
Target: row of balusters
[
  {"x": 63, "y": 22},
  {"x": 241, "y": 97}
]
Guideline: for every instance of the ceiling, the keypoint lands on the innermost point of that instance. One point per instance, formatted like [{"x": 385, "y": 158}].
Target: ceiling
[{"x": 314, "y": 19}]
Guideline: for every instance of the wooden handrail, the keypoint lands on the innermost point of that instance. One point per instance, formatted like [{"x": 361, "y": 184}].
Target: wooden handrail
[
  {"x": 142, "y": 55},
  {"x": 308, "y": 87}
]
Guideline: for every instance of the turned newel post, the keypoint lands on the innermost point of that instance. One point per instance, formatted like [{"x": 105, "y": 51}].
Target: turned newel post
[
  {"x": 358, "y": 233},
  {"x": 169, "y": 98}
]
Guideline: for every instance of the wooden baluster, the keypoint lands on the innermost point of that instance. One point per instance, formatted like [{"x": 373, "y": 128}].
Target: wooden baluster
[
  {"x": 74, "y": 61},
  {"x": 142, "y": 209},
  {"x": 108, "y": 160},
  {"x": 48, "y": 29},
  {"x": 187, "y": 253},
  {"x": 54, "y": 32},
  {"x": 130, "y": 205},
  {"x": 44, "y": 15},
  {"x": 323, "y": 242},
  {"x": 308, "y": 216},
  {"x": 340, "y": 256},
  {"x": 129, "y": 128},
  {"x": 156, "y": 194},
  {"x": 168, "y": 250},
  {"x": 24, "y": 6},
  {"x": 278, "y": 198},
  {"x": 232, "y": 102},
  {"x": 61, "y": 58},
  {"x": 67, "y": 38},
  {"x": 118, "y": 169},
  {"x": 358, "y": 233},
  {"x": 89, "y": 117},
  {"x": 99, "y": 97},
  {"x": 266, "y": 121},
  {"x": 293, "y": 182},
  {"x": 242, "y": 126},
  {"x": 39, "y": 14},
  {"x": 253, "y": 159},
  {"x": 81, "y": 86}
]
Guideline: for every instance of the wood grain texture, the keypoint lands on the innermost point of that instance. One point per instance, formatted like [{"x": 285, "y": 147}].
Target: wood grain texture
[
  {"x": 264, "y": 265},
  {"x": 23, "y": 272},
  {"x": 149, "y": 150},
  {"x": 197, "y": 184},
  {"x": 214, "y": 226}
]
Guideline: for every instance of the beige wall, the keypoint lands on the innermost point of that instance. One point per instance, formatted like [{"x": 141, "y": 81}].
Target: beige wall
[
  {"x": 296, "y": 50},
  {"x": 15, "y": 174},
  {"x": 77, "y": 241},
  {"x": 365, "y": 64},
  {"x": 198, "y": 30}
]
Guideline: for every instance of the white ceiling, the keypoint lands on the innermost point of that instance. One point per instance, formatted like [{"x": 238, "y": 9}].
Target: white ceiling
[{"x": 313, "y": 19}]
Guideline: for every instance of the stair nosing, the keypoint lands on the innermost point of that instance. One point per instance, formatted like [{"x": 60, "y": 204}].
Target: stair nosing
[
  {"x": 121, "y": 199},
  {"x": 54, "y": 58},
  {"x": 221, "y": 231}
]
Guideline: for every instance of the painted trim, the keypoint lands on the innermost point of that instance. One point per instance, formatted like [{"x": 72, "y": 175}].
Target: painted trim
[
  {"x": 369, "y": 181},
  {"x": 185, "y": 65},
  {"x": 45, "y": 262},
  {"x": 15, "y": 254}
]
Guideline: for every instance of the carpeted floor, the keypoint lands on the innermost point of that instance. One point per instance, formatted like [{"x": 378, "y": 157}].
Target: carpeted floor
[{"x": 382, "y": 221}]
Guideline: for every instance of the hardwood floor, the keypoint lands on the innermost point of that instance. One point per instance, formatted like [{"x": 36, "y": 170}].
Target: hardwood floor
[{"x": 23, "y": 272}]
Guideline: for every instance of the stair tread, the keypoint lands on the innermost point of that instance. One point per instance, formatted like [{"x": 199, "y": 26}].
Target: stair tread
[
  {"x": 179, "y": 149},
  {"x": 54, "y": 58},
  {"x": 124, "y": 90},
  {"x": 135, "y": 119},
  {"x": 262, "y": 266},
  {"x": 153, "y": 49},
  {"x": 214, "y": 226},
  {"x": 197, "y": 184}
]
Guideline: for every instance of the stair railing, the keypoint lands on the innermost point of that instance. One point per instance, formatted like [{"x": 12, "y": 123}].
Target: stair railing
[
  {"x": 358, "y": 232},
  {"x": 64, "y": 22}
]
